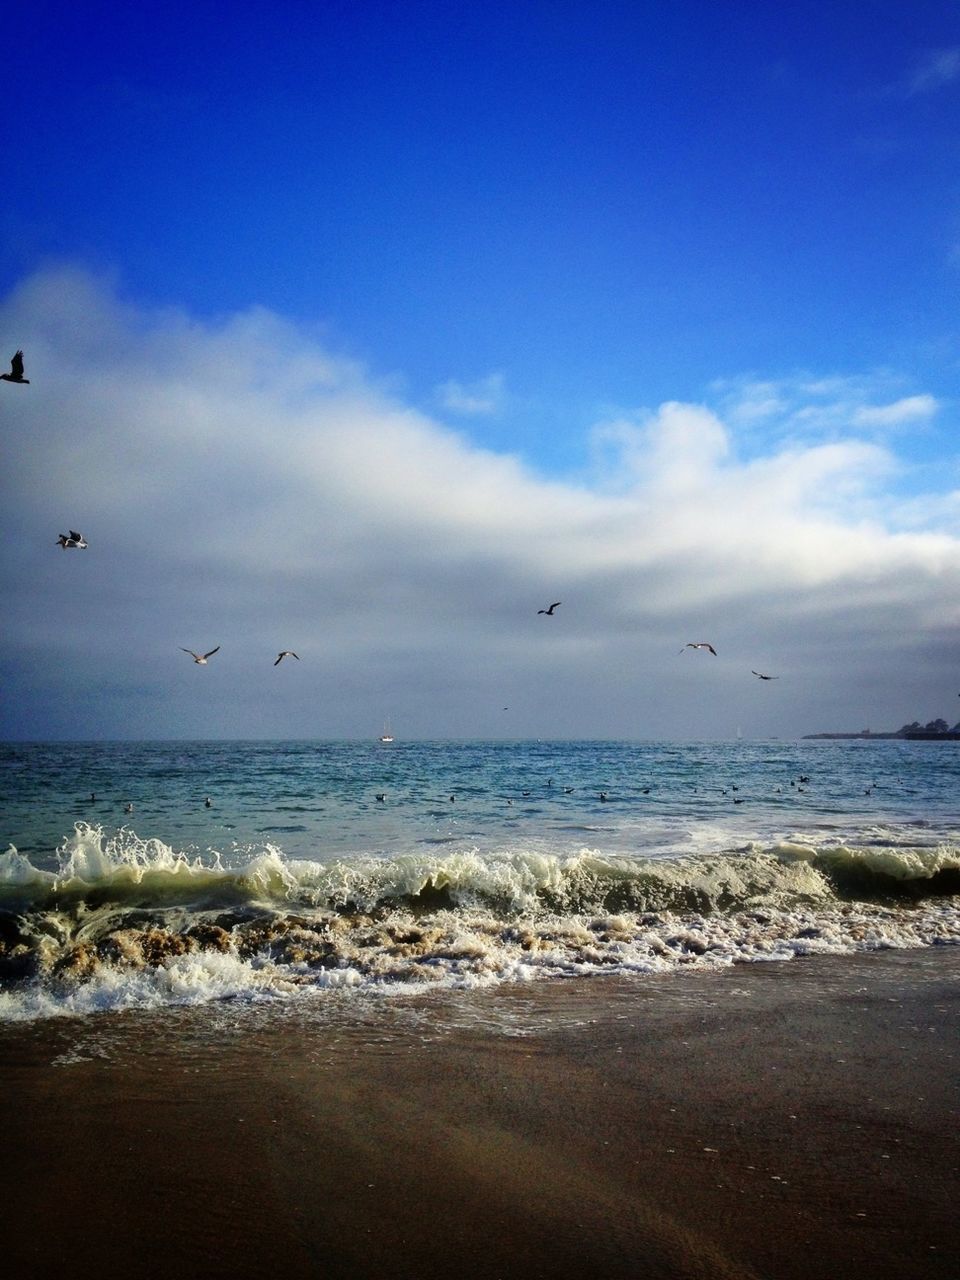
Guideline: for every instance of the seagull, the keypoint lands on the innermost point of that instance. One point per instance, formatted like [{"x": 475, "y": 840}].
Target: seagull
[
  {"x": 201, "y": 658},
  {"x": 287, "y": 653},
  {"x": 75, "y": 539},
  {"x": 760, "y": 677},
  {"x": 549, "y": 612},
  {"x": 701, "y": 644},
  {"x": 16, "y": 370}
]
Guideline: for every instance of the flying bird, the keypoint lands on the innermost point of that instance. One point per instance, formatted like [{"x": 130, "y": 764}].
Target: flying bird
[
  {"x": 549, "y": 612},
  {"x": 75, "y": 540},
  {"x": 700, "y": 644},
  {"x": 760, "y": 677},
  {"x": 287, "y": 653},
  {"x": 201, "y": 657},
  {"x": 16, "y": 370}
]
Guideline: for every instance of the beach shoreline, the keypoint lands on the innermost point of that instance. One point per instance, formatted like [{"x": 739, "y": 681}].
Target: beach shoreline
[{"x": 786, "y": 1121}]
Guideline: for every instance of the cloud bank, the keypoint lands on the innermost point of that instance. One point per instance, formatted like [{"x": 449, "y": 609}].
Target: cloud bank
[{"x": 239, "y": 485}]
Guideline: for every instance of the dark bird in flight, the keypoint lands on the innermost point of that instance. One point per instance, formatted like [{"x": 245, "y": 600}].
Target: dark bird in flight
[
  {"x": 16, "y": 370},
  {"x": 287, "y": 653},
  {"x": 760, "y": 677},
  {"x": 201, "y": 657},
  {"x": 75, "y": 540},
  {"x": 549, "y": 612},
  {"x": 700, "y": 644}
]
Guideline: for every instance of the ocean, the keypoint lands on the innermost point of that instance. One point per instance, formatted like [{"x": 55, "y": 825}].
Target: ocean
[{"x": 334, "y": 871}]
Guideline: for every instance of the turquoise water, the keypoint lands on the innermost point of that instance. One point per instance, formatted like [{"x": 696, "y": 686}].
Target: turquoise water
[
  {"x": 481, "y": 863},
  {"x": 318, "y": 799}
]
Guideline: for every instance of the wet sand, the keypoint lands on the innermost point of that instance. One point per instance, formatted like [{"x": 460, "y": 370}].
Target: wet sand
[{"x": 782, "y": 1121}]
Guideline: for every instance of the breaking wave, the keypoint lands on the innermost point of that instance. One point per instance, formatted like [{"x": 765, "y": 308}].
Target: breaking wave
[{"x": 126, "y": 922}]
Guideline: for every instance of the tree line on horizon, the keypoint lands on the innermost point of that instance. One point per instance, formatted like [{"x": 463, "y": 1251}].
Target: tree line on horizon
[{"x": 934, "y": 726}]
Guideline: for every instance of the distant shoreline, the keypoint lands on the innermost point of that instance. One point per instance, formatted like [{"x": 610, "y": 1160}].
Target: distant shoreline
[{"x": 921, "y": 736}]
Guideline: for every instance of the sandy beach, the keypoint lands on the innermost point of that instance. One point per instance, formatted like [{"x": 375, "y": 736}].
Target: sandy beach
[{"x": 779, "y": 1121}]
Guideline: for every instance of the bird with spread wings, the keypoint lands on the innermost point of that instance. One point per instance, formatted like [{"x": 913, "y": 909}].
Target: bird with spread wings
[
  {"x": 16, "y": 370},
  {"x": 201, "y": 657}
]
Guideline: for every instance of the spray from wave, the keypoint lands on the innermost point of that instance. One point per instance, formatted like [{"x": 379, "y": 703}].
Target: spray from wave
[{"x": 126, "y": 922}]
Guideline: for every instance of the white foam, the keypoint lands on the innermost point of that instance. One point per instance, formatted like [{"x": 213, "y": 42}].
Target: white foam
[{"x": 130, "y": 923}]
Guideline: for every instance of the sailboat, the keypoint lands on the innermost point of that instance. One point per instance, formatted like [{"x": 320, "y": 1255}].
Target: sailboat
[{"x": 386, "y": 736}]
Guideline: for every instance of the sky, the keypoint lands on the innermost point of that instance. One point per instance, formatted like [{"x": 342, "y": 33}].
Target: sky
[{"x": 367, "y": 330}]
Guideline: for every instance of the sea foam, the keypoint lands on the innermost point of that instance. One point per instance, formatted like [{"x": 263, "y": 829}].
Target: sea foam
[{"x": 131, "y": 922}]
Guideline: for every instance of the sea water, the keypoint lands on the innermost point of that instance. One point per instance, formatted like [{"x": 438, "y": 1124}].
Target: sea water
[{"x": 380, "y": 868}]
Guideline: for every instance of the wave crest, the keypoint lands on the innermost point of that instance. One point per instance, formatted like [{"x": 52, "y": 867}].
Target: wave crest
[{"x": 130, "y": 922}]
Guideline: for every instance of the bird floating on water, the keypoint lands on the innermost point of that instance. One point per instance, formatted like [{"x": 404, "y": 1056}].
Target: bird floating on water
[
  {"x": 287, "y": 653},
  {"x": 761, "y": 677},
  {"x": 16, "y": 370},
  {"x": 201, "y": 657},
  {"x": 549, "y": 612},
  {"x": 74, "y": 540},
  {"x": 699, "y": 644}
]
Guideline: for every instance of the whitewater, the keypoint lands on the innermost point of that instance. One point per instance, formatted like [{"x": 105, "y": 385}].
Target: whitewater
[{"x": 481, "y": 864}]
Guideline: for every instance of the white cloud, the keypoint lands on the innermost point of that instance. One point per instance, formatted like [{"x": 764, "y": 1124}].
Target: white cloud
[
  {"x": 802, "y": 407},
  {"x": 483, "y": 397},
  {"x": 936, "y": 68},
  {"x": 908, "y": 409},
  {"x": 239, "y": 485}
]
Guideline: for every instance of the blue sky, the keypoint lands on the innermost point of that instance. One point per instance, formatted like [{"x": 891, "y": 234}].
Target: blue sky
[{"x": 525, "y": 228}]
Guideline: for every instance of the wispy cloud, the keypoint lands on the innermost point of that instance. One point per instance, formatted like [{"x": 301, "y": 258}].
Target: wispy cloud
[
  {"x": 240, "y": 486},
  {"x": 906, "y": 410},
  {"x": 804, "y": 407},
  {"x": 934, "y": 69},
  {"x": 483, "y": 397}
]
